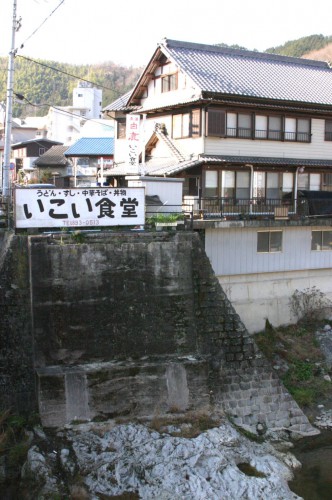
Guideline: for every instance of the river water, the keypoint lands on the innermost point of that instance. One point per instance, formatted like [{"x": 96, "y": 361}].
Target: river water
[{"x": 314, "y": 480}]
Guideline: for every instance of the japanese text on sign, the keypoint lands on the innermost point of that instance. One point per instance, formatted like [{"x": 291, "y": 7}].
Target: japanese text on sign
[
  {"x": 79, "y": 207},
  {"x": 133, "y": 139}
]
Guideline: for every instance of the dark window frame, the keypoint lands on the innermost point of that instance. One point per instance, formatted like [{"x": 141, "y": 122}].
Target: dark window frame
[
  {"x": 169, "y": 82},
  {"x": 240, "y": 132},
  {"x": 214, "y": 127},
  {"x": 321, "y": 243},
  {"x": 193, "y": 132},
  {"x": 269, "y": 243},
  {"x": 328, "y": 130}
]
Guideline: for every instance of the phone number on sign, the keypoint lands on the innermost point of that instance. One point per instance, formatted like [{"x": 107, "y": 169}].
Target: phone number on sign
[{"x": 89, "y": 222}]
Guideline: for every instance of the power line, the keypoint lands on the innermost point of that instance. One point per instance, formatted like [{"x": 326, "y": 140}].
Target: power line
[
  {"x": 71, "y": 75},
  {"x": 21, "y": 97},
  {"x": 34, "y": 32}
]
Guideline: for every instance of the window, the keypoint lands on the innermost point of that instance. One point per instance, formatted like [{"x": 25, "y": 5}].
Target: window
[
  {"x": 239, "y": 125},
  {"x": 327, "y": 182},
  {"x": 41, "y": 151},
  {"x": 211, "y": 183},
  {"x": 328, "y": 130},
  {"x": 235, "y": 185},
  {"x": 186, "y": 124},
  {"x": 216, "y": 122},
  {"x": 252, "y": 126},
  {"x": 227, "y": 184},
  {"x": 272, "y": 185},
  {"x": 260, "y": 127},
  {"x": 274, "y": 128},
  {"x": 269, "y": 241},
  {"x": 121, "y": 128},
  {"x": 309, "y": 181},
  {"x": 169, "y": 82},
  {"x": 297, "y": 129},
  {"x": 191, "y": 186},
  {"x": 321, "y": 240}
]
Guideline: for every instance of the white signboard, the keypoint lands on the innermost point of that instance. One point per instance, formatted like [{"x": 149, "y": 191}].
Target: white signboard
[
  {"x": 79, "y": 207},
  {"x": 133, "y": 140}
]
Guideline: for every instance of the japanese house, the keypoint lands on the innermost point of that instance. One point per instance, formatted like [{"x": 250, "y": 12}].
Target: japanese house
[
  {"x": 246, "y": 131},
  {"x": 92, "y": 159}
]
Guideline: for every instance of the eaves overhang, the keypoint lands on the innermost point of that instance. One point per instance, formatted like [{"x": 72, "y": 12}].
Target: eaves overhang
[{"x": 263, "y": 103}]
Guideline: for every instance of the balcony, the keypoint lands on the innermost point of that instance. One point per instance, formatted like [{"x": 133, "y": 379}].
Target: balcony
[{"x": 261, "y": 208}]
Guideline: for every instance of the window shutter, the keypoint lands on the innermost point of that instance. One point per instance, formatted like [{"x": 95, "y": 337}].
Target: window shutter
[{"x": 216, "y": 123}]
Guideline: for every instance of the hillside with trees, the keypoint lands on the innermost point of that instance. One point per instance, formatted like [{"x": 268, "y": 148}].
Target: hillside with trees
[
  {"x": 46, "y": 83},
  {"x": 301, "y": 46}
]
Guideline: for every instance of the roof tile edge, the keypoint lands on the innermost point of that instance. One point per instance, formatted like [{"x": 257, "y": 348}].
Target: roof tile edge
[{"x": 168, "y": 43}]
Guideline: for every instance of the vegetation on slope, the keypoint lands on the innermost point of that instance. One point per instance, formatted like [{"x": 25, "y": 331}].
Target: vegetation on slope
[
  {"x": 50, "y": 83},
  {"x": 295, "y": 351},
  {"x": 301, "y": 46}
]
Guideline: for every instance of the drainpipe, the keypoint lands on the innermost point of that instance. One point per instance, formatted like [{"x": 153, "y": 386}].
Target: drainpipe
[
  {"x": 299, "y": 169},
  {"x": 251, "y": 185}
]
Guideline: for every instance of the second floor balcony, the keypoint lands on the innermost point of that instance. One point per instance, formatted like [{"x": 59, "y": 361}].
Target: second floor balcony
[{"x": 308, "y": 204}]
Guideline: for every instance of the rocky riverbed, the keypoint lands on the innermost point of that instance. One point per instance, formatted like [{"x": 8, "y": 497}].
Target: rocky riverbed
[{"x": 105, "y": 460}]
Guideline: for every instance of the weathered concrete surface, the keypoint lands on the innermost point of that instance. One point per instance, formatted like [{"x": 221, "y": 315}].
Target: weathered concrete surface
[
  {"x": 128, "y": 324},
  {"x": 137, "y": 324},
  {"x": 17, "y": 379}
]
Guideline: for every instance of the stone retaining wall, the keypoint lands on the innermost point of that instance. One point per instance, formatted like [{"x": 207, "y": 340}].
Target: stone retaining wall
[{"x": 137, "y": 324}]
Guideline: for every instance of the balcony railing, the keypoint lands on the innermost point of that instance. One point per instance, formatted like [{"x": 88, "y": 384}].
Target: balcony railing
[{"x": 238, "y": 208}]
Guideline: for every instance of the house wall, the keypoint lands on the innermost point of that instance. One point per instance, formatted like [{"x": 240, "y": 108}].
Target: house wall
[
  {"x": 317, "y": 149},
  {"x": 234, "y": 251},
  {"x": 260, "y": 285},
  {"x": 256, "y": 297},
  {"x": 188, "y": 146},
  {"x": 184, "y": 93}
]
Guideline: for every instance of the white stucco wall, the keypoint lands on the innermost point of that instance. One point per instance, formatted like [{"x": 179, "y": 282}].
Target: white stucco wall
[
  {"x": 256, "y": 297},
  {"x": 260, "y": 285},
  {"x": 318, "y": 148}
]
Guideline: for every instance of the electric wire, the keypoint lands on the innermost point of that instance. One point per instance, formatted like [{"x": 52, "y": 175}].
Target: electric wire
[
  {"x": 71, "y": 75},
  {"x": 21, "y": 98},
  {"x": 35, "y": 31}
]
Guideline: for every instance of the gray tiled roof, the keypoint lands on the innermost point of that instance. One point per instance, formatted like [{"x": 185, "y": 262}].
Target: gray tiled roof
[
  {"x": 245, "y": 73},
  {"x": 54, "y": 156},
  {"x": 120, "y": 104},
  {"x": 168, "y": 167},
  {"x": 267, "y": 161}
]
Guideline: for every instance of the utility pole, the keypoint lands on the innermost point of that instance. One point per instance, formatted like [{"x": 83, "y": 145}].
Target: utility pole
[{"x": 9, "y": 110}]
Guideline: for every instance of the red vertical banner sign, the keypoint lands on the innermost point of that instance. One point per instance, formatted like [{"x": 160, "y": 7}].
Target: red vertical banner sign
[{"x": 133, "y": 142}]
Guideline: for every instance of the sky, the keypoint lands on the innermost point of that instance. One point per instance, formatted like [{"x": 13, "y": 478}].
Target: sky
[{"x": 127, "y": 32}]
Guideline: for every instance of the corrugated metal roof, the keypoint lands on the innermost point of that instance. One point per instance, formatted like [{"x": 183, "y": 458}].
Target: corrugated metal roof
[
  {"x": 92, "y": 146},
  {"x": 244, "y": 73}
]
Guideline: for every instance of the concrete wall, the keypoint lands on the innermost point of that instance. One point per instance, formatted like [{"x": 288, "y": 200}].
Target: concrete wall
[
  {"x": 17, "y": 379},
  {"x": 266, "y": 295},
  {"x": 132, "y": 324}
]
